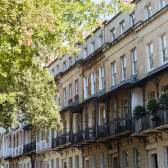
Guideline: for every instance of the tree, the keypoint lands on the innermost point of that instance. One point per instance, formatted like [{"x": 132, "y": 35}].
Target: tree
[{"x": 30, "y": 30}]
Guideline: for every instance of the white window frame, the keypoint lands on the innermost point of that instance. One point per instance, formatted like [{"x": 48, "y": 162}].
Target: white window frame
[
  {"x": 70, "y": 61},
  {"x": 93, "y": 46},
  {"x": 52, "y": 163},
  {"x": 125, "y": 158},
  {"x": 57, "y": 162},
  {"x": 102, "y": 161},
  {"x": 122, "y": 26},
  {"x": 100, "y": 40},
  {"x": 93, "y": 83},
  {"x": 134, "y": 61},
  {"x": 113, "y": 33},
  {"x": 70, "y": 91},
  {"x": 70, "y": 162},
  {"x": 77, "y": 161},
  {"x": 86, "y": 162},
  {"x": 164, "y": 48},
  {"x": 94, "y": 161},
  {"x": 76, "y": 87},
  {"x": 149, "y": 12},
  {"x": 136, "y": 159},
  {"x": 64, "y": 96},
  {"x": 85, "y": 51},
  {"x": 150, "y": 56},
  {"x": 58, "y": 69},
  {"x": 123, "y": 67},
  {"x": 86, "y": 88},
  {"x": 166, "y": 156},
  {"x": 132, "y": 19},
  {"x": 113, "y": 73},
  {"x": 102, "y": 114},
  {"x": 64, "y": 65},
  {"x": 101, "y": 78}
]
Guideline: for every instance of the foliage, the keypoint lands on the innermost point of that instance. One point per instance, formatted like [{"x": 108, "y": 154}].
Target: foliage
[
  {"x": 152, "y": 106},
  {"x": 30, "y": 30},
  {"x": 37, "y": 99},
  {"x": 139, "y": 111},
  {"x": 164, "y": 99}
]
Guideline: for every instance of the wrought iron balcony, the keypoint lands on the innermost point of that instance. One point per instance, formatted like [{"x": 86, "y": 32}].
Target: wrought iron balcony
[
  {"x": 84, "y": 136},
  {"x": 103, "y": 131},
  {"x": 63, "y": 139},
  {"x": 114, "y": 128},
  {"x": 90, "y": 133},
  {"x": 28, "y": 148},
  {"x": 152, "y": 121},
  {"x": 78, "y": 137}
]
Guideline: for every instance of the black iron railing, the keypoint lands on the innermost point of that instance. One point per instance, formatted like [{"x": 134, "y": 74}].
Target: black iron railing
[
  {"x": 78, "y": 137},
  {"x": 90, "y": 133},
  {"x": 114, "y": 128},
  {"x": 151, "y": 121},
  {"x": 62, "y": 139},
  {"x": 31, "y": 147},
  {"x": 102, "y": 131}
]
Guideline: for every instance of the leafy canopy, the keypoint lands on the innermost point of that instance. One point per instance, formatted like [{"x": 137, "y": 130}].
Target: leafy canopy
[{"x": 30, "y": 30}]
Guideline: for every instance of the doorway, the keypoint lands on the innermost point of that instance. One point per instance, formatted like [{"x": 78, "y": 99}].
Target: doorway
[
  {"x": 113, "y": 161},
  {"x": 154, "y": 160}
]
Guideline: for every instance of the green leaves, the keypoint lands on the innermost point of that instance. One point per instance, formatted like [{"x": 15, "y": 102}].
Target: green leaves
[
  {"x": 30, "y": 30},
  {"x": 37, "y": 101}
]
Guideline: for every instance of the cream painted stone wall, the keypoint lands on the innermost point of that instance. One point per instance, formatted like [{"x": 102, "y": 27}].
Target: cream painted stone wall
[
  {"x": 63, "y": 157},
  {"x": 158, "y": 145},
  {"x": 98, "y": 152}
]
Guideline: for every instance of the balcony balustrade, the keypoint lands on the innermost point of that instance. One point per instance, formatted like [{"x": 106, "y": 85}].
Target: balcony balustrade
[
  {"x": 17, "y": 151},
  {"x": 114, "y": 128},
  {"x": 103, "y": 131},
  {"x": 44, "y": 144},
  {"x": 83, "y": 136},
  {"x": 61, "y": 140},
  {"x": 151, "y": 121},
  {"x": 8, "y": 152},
  {"x": 90, "y": 133},
  {"x": 28, "y": 148},
  {"x": 117, "y": 127},
  {"x": 78, "y": 137}
]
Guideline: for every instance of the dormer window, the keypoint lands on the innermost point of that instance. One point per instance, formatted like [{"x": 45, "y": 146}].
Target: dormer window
[
  {"x": 93, "y": 46},
  {"x": 100, "y": 40},
  {"x": 85, "y": 52},
  {"x": 148, "y": 11},
  {"x": 70, "y": 61},
  {"x": 76, "y": 58},
  {"x": 132, "y": 18},
  {"x": 64, "y": 65},
  {"x": 162, "y": 3},
  {"x": 53, "y": 70},
  {"x": 122, "y": 26},
  {"x": 57, "y": 67},
  {"x": 112, "y": 34}
]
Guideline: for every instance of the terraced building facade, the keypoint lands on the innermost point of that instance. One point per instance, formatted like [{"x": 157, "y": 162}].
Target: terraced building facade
[{"x": 112, "y": 98}]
